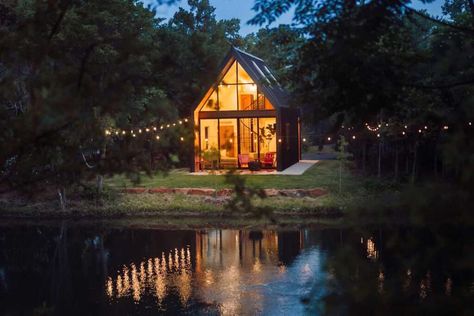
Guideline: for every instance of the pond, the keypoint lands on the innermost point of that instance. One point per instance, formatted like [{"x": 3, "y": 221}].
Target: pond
[{"x": 91, "y": 269}]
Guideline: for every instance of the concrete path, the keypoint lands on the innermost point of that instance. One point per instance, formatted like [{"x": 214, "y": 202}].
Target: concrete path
[
  {"x": 295, "y": 170},
  {"x": 298, "y": 168}
]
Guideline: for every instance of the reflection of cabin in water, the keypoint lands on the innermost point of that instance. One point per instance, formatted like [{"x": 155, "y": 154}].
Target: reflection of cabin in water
[{"x": 245, "y": 118}]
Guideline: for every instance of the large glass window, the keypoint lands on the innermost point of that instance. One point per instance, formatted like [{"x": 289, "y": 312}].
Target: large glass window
[
  {"x": 209, "y": 143},
  {"x": 267, "y": 141},
  {"x": 248, "y": 137},
  {"x": 244, "y": 77},
  {"x": 211, "y": 104},
  {"x": 228, "y": 142},
  {"x": 247, "y": 97}
]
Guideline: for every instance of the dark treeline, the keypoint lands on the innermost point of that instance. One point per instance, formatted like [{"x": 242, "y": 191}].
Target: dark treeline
[
  {"x": 382, "y": 63},
  {"x": 71, "y": 69}
]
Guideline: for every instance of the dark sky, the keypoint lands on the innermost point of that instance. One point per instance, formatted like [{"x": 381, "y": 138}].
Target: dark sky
[{"x": 242, "y": 9}]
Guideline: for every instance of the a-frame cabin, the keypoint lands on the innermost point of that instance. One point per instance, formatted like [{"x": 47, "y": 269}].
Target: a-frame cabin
[{"x": 245, "y": 119}]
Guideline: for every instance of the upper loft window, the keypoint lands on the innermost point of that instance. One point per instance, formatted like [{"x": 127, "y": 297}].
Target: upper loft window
[{"x": 237, "y": 91}]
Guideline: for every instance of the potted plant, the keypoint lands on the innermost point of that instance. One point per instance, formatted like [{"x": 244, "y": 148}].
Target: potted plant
[{"x": 212, "y": 155}]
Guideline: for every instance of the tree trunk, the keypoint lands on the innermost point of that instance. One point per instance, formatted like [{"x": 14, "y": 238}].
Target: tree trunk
[
  {"x": 364, "y": 157},
  {"x": 100, "y": 184},
  {"x": 413, "y": 169},
  {"x": 340, "y": 176},
  {"x": 395, "y": 169},
  {"x": 62, "y": 198},
  {"x": 379, "y": 162}
]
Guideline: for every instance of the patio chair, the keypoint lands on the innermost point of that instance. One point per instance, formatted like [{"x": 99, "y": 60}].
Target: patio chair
[
  {"x": 244, "y": 160},
  {"x": 269, "y": 159}
]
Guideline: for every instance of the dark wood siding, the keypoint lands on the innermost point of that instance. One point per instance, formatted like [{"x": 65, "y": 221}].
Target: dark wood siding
[{"x": 288, "y": 148}]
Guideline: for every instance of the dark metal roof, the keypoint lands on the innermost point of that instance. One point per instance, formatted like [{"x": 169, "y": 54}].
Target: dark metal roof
[{"x": 262, "y": 76}]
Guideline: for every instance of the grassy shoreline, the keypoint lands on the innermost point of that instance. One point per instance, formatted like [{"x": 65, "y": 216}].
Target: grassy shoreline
[{"x": 356, "y": 190}]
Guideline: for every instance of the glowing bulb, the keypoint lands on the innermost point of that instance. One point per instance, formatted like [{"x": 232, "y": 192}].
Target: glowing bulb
[
  {"x": 426, "y": 127},
  {"x": 185, "y": 119},
  {"x": 139, "y": 130},
  {"x": 174, "y": 124},
  {"x": 304, "y": 139},
  {"x": 157, "y": 137},
  {"x": 116, "y": 132},
  {"x": 167, "y": 126},
  {"x": 147, "y": 130},
  {"x": 378, "y": 135},
  {"x": 386, "y": 124},
  {"x": 206, "y": 140},
  {"x": 154, "y": 128},
  {"x": 445, "y": 127},
  {"x": 406, "y": 127},
  {"x": 403, "y": 133},
  {"x": 279, "y": 140},
  {"x": 181, "y": 138},
  {"x": 124, "y": 132},
  {"x": 353, "y": 137},
  {"x": 180, "y": 122},
  {"x": 134, "y": 135},
  {"x": 161, "y": 127},
  {"x": 419, "y": 131},
  {"x": 231, "y": 140},
  {"x": 329, "y": 138},
  {"x": 107, "y": 132}
]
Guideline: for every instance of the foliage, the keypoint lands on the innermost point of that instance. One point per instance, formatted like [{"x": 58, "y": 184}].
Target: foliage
[
  {"x": 381, "y": 62},
  {"x": 242, "y": 201}
]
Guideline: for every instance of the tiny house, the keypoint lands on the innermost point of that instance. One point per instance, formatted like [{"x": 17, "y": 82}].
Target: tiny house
[{"x": 244, "y": 119}]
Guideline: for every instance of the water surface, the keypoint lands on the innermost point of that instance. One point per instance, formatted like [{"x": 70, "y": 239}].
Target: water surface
[{"x": 96, "y": 270}]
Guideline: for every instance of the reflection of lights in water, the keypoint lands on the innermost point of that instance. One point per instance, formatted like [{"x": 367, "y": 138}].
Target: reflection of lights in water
[
  {"x": 110, "y": 287},
  {"x": 208, "y": 277},
  {"x": 372, "y": 252},
  {"x": 425, "y": 286},
  {"x": 154, "y": 275},
  {"x": 381, "y": 279},
  {"x": 407, "y": 282},
  {"x": 257, "y": 266},
  {"x": 449, "y": 286}
]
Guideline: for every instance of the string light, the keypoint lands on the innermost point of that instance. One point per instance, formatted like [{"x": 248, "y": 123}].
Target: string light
[
  {"x": 157, "y": 137},
  {"x": 353, "y": 137},
  {"x": 181, "y": 138},
  {"x": 304, "y": 139},
  {"x": 329, "y": 138},
  {"x": 403, "y": 133},
  {"x": 279, "y": 140},
  {"x": 445, "y": 127},
  {"x": 378, "y": 135},
  {"x": 147, "y": 130}
]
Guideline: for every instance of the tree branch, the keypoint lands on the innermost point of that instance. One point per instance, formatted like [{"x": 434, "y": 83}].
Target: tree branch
[{"x": 450, "y": 25}]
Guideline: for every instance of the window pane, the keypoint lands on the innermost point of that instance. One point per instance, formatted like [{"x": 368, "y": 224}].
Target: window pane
[
  {"x": 268, "y": 142},
  {"x": 227, "y": 97},
  {"x": 248, "y": 137},
  {"x": 209, "y": 143},
  {"x": 243, "y": 75},
  {"x": 231, "y": 75},
  {"x": 228, "y": 142},
  {"x": 247, "y": 97},
  {"x": 211, "y": 103}
]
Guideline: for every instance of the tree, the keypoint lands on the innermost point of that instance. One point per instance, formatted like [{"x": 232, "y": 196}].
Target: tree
[{"x": 69, "y": 70}]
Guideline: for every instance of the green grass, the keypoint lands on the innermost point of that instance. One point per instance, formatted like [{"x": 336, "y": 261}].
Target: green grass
[{"x": 324, "y": 174}]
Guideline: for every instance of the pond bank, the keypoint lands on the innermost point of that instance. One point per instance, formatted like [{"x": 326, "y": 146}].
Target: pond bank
[{"x": 179, "y": 205}]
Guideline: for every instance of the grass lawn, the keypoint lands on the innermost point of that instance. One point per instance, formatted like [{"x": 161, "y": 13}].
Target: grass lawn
[{"x": 324, "y": 174}]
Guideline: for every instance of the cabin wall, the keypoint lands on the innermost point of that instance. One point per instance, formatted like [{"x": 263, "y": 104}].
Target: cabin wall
[{"x": 288, "y": 132}]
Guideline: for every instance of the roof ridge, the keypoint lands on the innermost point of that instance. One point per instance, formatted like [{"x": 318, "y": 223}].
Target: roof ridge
[{"x": 244, "y": 52}]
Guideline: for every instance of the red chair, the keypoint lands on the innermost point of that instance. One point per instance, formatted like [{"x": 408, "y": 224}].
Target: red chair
[
  {"x": 269, "y": 159},
  {"x": 244, "y": 160}
]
